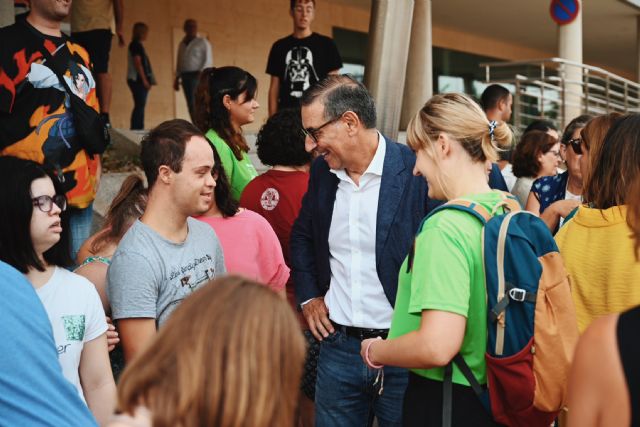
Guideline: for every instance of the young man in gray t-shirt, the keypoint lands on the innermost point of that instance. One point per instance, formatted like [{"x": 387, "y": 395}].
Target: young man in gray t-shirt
[{"x": 166, "y": 255}]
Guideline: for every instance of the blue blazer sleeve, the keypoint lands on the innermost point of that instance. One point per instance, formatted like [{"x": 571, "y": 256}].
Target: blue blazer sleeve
[
  {"x": 302, "y": 255},
  {"x": 496, "y": 180}
]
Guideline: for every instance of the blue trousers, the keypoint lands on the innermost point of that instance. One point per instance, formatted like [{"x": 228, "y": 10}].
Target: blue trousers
[
  {"x": 189, "y": 83},
  {"x": 80, "y": 227},
  {"x": 139, "y": 93},
  {"x": 345, "y": 392}
]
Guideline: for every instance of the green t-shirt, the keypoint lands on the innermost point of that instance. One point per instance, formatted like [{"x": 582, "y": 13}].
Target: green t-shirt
[
  {"x": 239, "y": 172},
  {"x": 448, "y": 275}
]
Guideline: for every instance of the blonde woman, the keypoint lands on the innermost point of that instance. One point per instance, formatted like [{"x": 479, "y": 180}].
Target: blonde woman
[
  {"x": 215, "y": 365},
  {"x": 440, "y": 307}
]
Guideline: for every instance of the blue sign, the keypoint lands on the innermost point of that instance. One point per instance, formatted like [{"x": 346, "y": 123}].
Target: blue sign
[{"x": 564, "y": 11}]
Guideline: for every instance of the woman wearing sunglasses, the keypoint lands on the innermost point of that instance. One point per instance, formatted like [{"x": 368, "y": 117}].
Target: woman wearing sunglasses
[
  {"x": 35, "y": 241},
  {"x": 596, "y": 245},
  {"x": 554, "y": 197},
  {"x": 226, "y": 101}
]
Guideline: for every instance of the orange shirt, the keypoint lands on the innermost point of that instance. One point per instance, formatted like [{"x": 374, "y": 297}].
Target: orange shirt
[{"x": 34, "y": 121}]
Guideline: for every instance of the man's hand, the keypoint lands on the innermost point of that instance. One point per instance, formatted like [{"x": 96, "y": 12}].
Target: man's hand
[
  {"x": 317, "y": 315},
  {"x": 112, "y": 335},
  {"x": 120, "y": 36},
  {"x": 176, "y": 84},
  {"x": 146, "y": 84}
]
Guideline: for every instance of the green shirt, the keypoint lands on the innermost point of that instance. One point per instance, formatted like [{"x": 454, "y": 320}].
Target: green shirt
[
  {"x": 448, "y": 275},
  {"x": 239, "y": 172}
]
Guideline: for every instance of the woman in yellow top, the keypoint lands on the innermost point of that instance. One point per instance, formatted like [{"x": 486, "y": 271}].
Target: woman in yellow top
[
  {"x": 596, "y": 244},
  {"x": 226, "y": 101}
]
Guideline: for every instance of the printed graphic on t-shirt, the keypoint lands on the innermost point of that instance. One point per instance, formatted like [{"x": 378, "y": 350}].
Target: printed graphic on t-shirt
[
  {"x": 61, "y": 144},
  {"x": 35, "y": 123},
  {"x": 186, "y": 279},
  {"x": 74, "y": 326},
  {"x": 300, "y": 73},
  {"x": 269, "y": 199},
  {"x": 193, "y": 281}
]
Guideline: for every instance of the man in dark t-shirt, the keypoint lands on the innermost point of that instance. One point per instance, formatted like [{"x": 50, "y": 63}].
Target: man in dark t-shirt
[{"x": 299, "y": 60}]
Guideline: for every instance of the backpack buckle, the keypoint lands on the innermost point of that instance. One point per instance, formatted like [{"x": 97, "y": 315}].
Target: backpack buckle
[{"x": 517, "y": 294}]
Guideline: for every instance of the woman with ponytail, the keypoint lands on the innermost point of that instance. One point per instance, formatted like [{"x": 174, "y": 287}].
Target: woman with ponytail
[
  {"x": 95, "y": 254},
  {"x": 226, "y": 101},
  {"x": 440, "y": 307}
]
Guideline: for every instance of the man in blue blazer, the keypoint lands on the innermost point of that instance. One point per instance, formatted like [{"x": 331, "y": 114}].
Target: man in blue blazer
[{"x": 356, "y": 225}]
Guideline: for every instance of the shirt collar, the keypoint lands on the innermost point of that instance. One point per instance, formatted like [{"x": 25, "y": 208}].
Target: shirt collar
[{"x": 376, "y": 165}]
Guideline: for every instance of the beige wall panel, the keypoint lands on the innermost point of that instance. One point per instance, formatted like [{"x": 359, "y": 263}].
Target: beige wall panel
[
  {"x": 241, "y": 33},
  {"x": 480, "y": 45}
]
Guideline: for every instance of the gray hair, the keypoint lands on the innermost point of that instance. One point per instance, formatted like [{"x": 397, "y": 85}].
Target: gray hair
[{"x": 341, "y": 93}]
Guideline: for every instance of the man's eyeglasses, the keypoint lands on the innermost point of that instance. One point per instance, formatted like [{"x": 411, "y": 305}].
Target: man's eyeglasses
[
  {"x": 45, "y": 203},
  {"x": 576, "y": 144},
  {"x": 313, "y": 133}
]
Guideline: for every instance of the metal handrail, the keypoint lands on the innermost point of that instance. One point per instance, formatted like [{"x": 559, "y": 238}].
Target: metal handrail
[
  {"x": 559, "y": 61},
  {"x": 557, "y": 89}
]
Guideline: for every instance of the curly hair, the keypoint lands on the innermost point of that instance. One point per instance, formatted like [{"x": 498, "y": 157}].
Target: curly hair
[
  {"x": 525, "y": 155},
  {"x": 210, "y": 112},
  {"x": 281, "y": 141}
]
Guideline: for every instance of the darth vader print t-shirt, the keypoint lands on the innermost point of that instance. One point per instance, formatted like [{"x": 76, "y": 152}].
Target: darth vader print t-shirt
[{"x": 299, "y": 63}]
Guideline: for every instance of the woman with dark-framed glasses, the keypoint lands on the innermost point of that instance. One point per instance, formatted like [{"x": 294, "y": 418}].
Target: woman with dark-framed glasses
[
  {"x": 554, "y": 197},
  {"x": 34, "y": 239},
  {"x": 536, "y": 155}
]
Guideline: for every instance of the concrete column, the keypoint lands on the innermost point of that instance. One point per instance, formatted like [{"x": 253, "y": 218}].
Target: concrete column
[
  {"x": 570, "y": 48},
  {"x": 386, "y": 66},
  {"x": 7, "y": 15},
  {"x": 418, "y": 86}
]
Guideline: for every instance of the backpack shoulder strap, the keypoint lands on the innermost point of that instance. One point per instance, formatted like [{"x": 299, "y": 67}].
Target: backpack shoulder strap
[
  {"x": 447, "y": 386},
  {"x": 468, "y": 206},
  {"x": 509, "y": 202},
  {"x": 51, "y": 64}
]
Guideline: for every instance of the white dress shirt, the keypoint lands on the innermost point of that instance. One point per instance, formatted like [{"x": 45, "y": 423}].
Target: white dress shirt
[
  {"x": 194, "y": 56},
  {"x": 355, "y": 296}
]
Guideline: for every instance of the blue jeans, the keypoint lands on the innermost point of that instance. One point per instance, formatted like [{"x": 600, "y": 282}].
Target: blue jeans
[
  {"x": 139, "y": 93},
  {"x": 80, "y": 227},
  {"x": 345, "y": 392}
]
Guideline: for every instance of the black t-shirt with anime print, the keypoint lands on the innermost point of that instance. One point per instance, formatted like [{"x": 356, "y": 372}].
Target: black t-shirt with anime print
[
  {"x": 35, "y": 122},
  {"x": 299, "y": 63}
]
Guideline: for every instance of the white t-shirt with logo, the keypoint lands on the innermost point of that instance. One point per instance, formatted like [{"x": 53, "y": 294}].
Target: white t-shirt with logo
[{"x": 76, "y": 315}]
